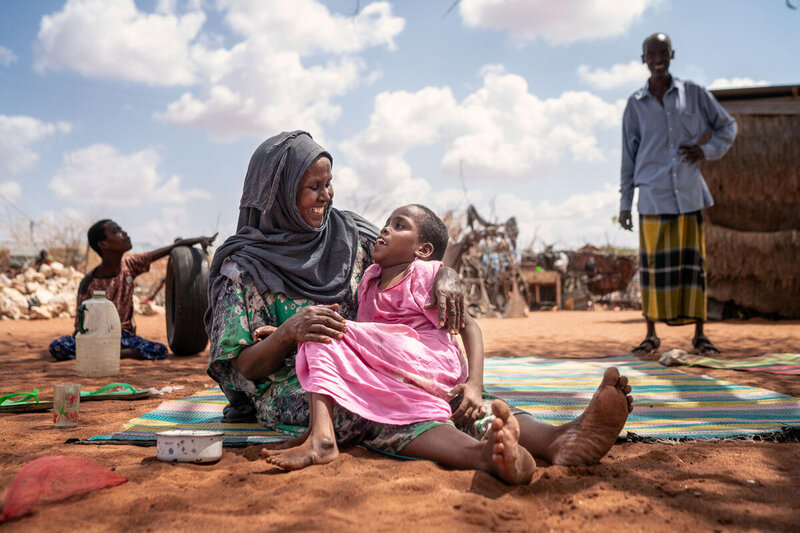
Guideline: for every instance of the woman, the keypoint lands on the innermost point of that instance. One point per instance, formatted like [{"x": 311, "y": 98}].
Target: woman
[{"x": 294, "y": 264}]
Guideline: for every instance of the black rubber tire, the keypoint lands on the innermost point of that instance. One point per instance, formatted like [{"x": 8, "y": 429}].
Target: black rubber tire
[{"x": 186, "y": 290}]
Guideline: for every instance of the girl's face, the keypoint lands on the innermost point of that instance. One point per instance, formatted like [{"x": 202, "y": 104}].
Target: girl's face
[
  {"x": 399, "y": 239},
  {"x": 315, "y": 192}
]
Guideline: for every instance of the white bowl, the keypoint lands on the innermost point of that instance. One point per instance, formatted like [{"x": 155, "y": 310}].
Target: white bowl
[{"x": 189, "y": 446}]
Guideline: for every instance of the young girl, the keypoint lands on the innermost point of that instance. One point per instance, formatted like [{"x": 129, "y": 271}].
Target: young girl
[{"x": 395, "y": 365}]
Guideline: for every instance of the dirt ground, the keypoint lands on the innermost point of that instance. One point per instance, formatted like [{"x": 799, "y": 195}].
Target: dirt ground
[{"x": 702, "y": 486}]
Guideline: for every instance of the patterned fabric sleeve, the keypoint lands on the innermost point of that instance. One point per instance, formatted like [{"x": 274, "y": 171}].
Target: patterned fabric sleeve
[
  {"x": 137, "y": 263},
  {"x": 230, "y": 334},
  {"x": 364, "y": 259}
]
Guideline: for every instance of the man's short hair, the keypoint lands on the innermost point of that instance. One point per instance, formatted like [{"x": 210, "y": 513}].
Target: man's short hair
[
  {"x": 657, "y": 37},
  {"x": 97, "y": 234},
  {"x": 433, "y": 230}
]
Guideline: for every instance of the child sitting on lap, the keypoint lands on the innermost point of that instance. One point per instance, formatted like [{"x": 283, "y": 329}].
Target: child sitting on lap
[
  {"x": 115, "y": 276},
  {"x": 395, "y": 365}
]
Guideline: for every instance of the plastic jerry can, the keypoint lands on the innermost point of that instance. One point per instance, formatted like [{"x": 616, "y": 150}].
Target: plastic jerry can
[{"x": 97, "y": 342}]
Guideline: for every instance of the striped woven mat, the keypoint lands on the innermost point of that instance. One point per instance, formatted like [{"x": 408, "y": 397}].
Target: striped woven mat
[
  {"x": 201, "y": 411},
  {"x": 669, "y": 404},
  {"x": 774, "y": 363}
]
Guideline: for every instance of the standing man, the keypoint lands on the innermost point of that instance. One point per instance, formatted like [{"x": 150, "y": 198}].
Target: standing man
[{"x": 663, "y": 129}]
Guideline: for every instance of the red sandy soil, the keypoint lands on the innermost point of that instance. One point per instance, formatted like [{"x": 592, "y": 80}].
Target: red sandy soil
[{"x": 701, "y": 486}]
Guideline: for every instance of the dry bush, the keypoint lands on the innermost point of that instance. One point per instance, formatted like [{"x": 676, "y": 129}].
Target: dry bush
[{"x": 63, "y": 236}]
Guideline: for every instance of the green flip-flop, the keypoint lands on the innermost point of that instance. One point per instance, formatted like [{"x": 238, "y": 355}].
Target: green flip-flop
[
  {"x": 26, "y": 401},
  {"x": 125, "y": 392}
]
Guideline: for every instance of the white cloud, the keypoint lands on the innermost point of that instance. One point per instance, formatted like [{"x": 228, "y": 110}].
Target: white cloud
[
  {"x": 579, "y": 219},
  {"x": 18, "y": 135},
  {"x": 6, "y": 56},
  {"x": 281, "y": 72},
  {"x": 501, "y": 131},
  {"x": 584, "y": 218},
  {"x": 276, "y": 93},
  {"x": 620, "y": 75},
  {"x": 307, "y": 26},
  {"x": 100, "y": 175},
  {"x": 262, "y": 83},
  {"x": 112, "y": 39},
  {"x": 501, "y": 136},
  {"x": 11, "y": 190},
  {"x": 172, "y": 222},
  {"x": 732, "y": 83},
  {"x": 556, "y": 22}
]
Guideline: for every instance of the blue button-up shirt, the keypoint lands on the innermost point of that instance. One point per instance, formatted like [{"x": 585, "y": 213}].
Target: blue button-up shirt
[{"x": 651, "y": 135}]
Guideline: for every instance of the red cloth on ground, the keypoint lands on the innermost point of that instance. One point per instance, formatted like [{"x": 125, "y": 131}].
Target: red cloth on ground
[{"x": 52, "y": 478}]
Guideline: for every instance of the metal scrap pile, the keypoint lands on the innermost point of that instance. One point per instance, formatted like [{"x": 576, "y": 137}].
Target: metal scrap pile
[
  {"x": 487, "y": 261},
  {"x": 591, "y": 276}
]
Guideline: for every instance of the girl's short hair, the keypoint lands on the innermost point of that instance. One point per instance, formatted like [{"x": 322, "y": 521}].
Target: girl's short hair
[{"x": 433, "y": 230}]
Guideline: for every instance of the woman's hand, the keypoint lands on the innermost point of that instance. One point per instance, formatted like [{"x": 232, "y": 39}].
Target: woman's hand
[
  {"x": 315, "y": 323},
  {"x": 448, "y": 296},
  {"x": 471, "y": 406}
]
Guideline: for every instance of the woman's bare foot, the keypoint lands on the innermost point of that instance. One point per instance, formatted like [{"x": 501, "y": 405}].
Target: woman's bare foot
[
  {"x": 588, "y": 438},
  {"x": 314, "y": 451},
  {"x": 502, "y": 455}
]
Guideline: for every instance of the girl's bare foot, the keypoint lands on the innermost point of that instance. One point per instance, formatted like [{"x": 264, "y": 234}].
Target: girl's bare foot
[
  {"x": 294, "y": 441},
  {"x": 502, "y": 455},
  {"x": 588, "y": 438},
  {"x": 314, "y": 451}
]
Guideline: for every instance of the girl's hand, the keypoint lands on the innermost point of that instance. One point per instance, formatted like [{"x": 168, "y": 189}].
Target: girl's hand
[
  {"x": 263, "y": 332},
  {"x": 315, "y": 323},
  {"x": 471, "y": 407},
  {"x": 448, "y": 296}
]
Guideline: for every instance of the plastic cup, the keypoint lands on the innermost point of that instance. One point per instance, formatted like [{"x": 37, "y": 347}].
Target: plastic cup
[{"x": 66, "y": 402}]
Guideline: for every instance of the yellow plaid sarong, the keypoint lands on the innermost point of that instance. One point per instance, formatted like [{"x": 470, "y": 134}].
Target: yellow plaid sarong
[{"x": 672, "y": 253}]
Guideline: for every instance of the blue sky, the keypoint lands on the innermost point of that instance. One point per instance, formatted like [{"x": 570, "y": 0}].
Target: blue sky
[{"x": 147, "y": 112}]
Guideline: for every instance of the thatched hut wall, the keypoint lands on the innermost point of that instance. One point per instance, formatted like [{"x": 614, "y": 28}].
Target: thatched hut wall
[
  {"x": 757, "y": 270},
  {"x": 753, "y": 229},
  {"x": 756, "y": 186}
]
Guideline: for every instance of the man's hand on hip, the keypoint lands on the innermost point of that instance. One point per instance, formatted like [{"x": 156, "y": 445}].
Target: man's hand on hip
[{"x": 691, "y": 153}]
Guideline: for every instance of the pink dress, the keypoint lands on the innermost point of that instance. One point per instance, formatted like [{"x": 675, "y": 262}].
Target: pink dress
[{"x": 395, "y": 365}]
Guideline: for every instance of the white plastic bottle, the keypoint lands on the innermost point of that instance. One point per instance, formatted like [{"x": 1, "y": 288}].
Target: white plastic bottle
[{"x": 98, "y": 339}]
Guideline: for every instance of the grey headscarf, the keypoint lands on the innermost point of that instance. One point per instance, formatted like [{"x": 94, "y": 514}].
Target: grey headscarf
[{"x": 273, "y": 245}]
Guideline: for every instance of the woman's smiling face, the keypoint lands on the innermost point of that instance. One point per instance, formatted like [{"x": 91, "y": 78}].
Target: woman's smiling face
[{"x": 315, "y": 192}]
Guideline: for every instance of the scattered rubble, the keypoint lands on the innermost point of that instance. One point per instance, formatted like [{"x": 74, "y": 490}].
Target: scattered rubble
[
  {"x": 51, "y": 292},
  {"x": 47, "y": 293}
]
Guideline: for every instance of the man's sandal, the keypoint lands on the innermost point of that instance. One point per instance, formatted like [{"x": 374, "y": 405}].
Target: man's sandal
[
  {"x": 19, "y": 402},
  {"x": 647, "y": 347},
  {"x": 703, "y": 346}
]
